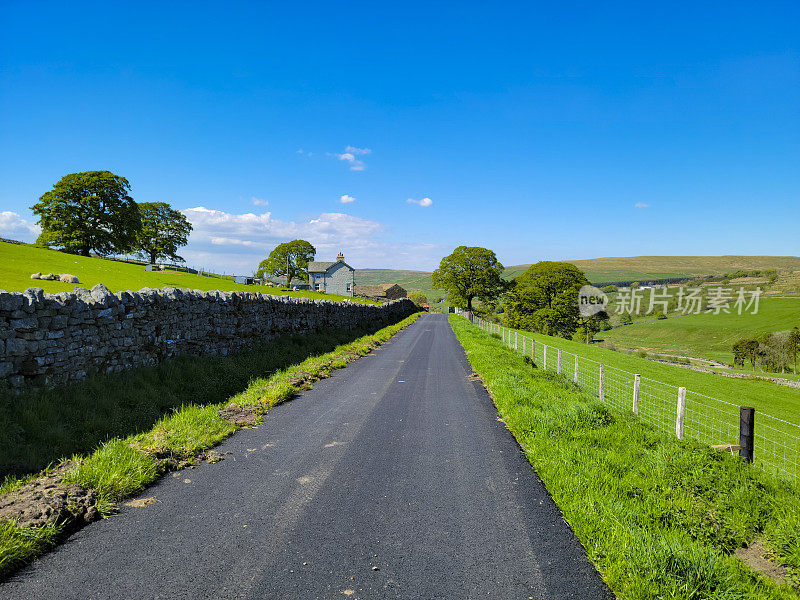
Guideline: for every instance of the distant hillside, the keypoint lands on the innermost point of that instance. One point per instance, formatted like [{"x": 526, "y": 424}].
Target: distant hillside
[
  {"x": 409, "y": 280},
  {"x": 605, "y": 270}
]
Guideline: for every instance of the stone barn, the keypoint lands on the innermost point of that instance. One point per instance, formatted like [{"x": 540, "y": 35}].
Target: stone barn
[{"x": 384, "y": 292}]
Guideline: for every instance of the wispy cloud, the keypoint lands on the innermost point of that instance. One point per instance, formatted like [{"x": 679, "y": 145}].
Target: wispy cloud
[
  {"x": 346, "y": 199},
  {"x": 351, "y": 154},
  {"x": 641, "y": 205},
  {"x": 259, "y": 201},
  {"x": 229, "y": 242},
  {"x": 14, "y": 227},
  {"x": 304, "y": 153},
  {"x": 422, "y": 202}
]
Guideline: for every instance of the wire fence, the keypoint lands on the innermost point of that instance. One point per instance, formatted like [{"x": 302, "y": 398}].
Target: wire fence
[{"x": 666, "y": 407}]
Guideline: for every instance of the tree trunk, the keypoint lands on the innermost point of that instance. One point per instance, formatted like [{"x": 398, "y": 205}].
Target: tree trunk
[
  {"x": 469, "y": 303},
  {"x": 84, "y": 251},
  {"x": 153, "y": 258}
]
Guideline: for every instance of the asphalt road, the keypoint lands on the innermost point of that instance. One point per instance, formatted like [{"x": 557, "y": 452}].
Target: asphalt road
[{"x": 392, "y": 479}]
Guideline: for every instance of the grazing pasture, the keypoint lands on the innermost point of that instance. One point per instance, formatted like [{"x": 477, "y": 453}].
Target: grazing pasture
[
  {"x": 705, "y": 335},
  {"x": 17, "y": 262}
]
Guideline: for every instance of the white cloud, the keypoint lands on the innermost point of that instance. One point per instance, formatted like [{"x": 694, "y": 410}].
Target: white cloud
[
  {"x": 259, "y": 201},
  {"x": 304, "y": 153},
  {"x": 423, "y": 202},
  {"x": 349, "y": 155},
  {"x": 641, "y": 205},
  {"x": 346, "y": 199},
  {"x": 14, "y": 227},
  {"x": 226, "y": 242},
  {"x": 358, "y": 151}
]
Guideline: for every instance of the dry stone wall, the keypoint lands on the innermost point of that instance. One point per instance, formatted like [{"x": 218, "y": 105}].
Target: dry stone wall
[{"x": 48, "y": 339}]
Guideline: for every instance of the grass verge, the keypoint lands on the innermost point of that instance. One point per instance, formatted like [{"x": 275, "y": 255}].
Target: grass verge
[
  {"x": 41, "y": 426},
  {"x": 658, "y": 517},
  {"x": 123, "y": 466}
]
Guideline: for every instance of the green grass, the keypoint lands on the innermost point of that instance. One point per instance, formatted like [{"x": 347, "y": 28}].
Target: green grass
[
  {"x": 17, "y": 262},
  {"x": 122, "y": 466},
  {"x": 19, "y": 544},
  {"x": 779, "y": 401},
  {"x": 659, "y": 518},
  {"x": 706, "y": 335},
  {"x": 116, "y": 471}
]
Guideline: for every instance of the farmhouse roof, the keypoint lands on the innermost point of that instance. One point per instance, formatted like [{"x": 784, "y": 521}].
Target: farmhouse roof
[
  {"x": 375, "y": 290},
  {"x": 319, "y": 267},
  {"x": 322, "y": 267}
]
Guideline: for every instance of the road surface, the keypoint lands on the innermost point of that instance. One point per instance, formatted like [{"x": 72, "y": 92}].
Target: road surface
[{"x": 392, "y": 479}]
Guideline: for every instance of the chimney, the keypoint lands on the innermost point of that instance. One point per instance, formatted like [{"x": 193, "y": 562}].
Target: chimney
[{"x": 340, "y": 257}]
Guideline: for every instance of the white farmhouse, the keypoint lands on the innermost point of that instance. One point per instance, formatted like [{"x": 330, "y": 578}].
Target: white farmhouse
[{"x": 332, "y": 277}]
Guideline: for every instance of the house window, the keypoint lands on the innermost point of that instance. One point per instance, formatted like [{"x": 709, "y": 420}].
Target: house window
[
  {"x": 349, "y": 287},
  {"x": 318, "y": 287}
]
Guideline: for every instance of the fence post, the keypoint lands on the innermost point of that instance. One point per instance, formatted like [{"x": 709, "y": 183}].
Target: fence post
[
  {"x": 576, "y": 369},
  {"x": 681, "y": 412},
  {"x": 516, "y": 340},
  {"x": 636, "y": 382},
  {"x": 747, "y": 430},
  {"x": 602, "y": 390},
  {"x": 559, "y": 361},
  {"x": 544, "y": 357},
  {"x": 533, "y": 350}
]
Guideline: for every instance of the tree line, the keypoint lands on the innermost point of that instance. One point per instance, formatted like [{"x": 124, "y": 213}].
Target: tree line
[
  {"x": 93, "y": 211},
  {"x": 773, "y": 352},
  {"x": 543, "y": 299}
]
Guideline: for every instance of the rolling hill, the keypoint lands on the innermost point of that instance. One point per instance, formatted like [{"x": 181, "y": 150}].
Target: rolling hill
[{"x": 610, "y": 269}]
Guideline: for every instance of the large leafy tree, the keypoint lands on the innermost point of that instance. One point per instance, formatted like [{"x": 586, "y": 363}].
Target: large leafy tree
[
  {"x": 163, "y": 231},
  {"x": 545, "y": 299},
  {"x": 470, "y": 272},
  {"x": 89, "y": 211},
  {"x": 289, "y": 259}
]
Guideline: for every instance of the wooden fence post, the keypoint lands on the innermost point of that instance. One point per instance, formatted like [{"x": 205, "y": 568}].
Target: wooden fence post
[
  {"x": 576, "y": 369},
  {"x": 636, "y": 382},
  {"x": 747, "y": 430},
  {"x": 516, "y": 340},
  {"x": 602, "y": 390},
  {"x": 681, "y": 412},
  {"x": 533, "y": 350},
  {"x": 544, "y": 358},
  {"x": 558, "y": 368}
]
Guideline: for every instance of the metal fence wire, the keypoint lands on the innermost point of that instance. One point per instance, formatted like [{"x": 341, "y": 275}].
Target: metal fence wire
[{"x": 668, "y": 408}]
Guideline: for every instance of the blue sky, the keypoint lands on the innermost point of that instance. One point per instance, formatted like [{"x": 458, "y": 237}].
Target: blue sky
[{"x": 539, "y": 130}]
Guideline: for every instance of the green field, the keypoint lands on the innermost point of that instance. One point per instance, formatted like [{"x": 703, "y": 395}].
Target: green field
[
  {"x": 706, "y": 335},
  {"x": 712, "y": 402},
  {"x": 779, "y": 401},
  {"x": 17, "y": 262}
]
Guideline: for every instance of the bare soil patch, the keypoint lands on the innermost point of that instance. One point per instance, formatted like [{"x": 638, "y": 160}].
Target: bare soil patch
[
  {"x": 753, "y": 557},
  {"x": 48, "y": 500}
]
